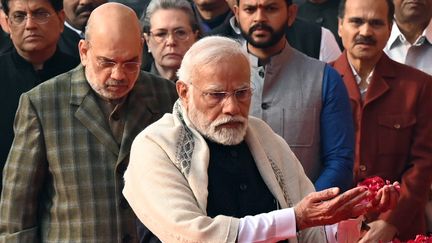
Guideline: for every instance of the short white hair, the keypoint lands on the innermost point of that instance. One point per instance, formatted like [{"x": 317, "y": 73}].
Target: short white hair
[{"x": 209, "y": 51}]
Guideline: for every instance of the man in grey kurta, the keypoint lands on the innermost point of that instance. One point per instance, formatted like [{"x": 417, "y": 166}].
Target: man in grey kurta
[
  {"x": 73, "y": 133},
  {"x": 302, "y": 99}
]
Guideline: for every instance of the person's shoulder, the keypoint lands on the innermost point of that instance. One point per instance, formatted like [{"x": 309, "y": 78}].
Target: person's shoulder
[
  {"x": 55, "y": 85},
  {"x": 153, "y": 79},
  {"x": 305, "y": 60},
  {"x": 6, "y": 61},
  {"x": 67, "y": 62},
  {"x": 165, "y": 129},
  {"x": 263, "y": 131},
  {"x": 404, "y": 71}
]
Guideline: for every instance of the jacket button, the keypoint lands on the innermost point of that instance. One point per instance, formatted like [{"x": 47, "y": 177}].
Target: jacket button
[
  {"x": 261, "y": 73},
  {"x": 243, "y": 187},
  {"x": 265, "y": 106},
  {"x": 397, "y": 126},
  {"x": 362, "y": 168}
]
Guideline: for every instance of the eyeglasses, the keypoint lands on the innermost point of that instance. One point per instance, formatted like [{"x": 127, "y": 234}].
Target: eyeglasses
[
  {"x": 213, "y": 98},
  {"x": 128, "y": 67},
  {"x": 162, "y": 35},
  {"x": 40, "y": 17}
]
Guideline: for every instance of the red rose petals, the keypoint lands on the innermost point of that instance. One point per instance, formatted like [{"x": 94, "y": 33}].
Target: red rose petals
[
  {"x": 418, "y": 239},
  {"x": 374, "y": 184}
]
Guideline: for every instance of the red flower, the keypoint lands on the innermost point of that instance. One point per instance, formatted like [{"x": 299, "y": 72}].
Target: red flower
[
  {"x": 418, "y": 239},
  {"x": 374, "y": 184}
]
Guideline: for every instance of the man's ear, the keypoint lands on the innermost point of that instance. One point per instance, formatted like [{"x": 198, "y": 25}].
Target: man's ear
[
  {"x": 182, "y": 91},
  {"x": 83, "y": 48},
  {"x": 292, "y": 13},
  {"x": 340, "y": 23},
  {"x": 61, "y": 16},
  {"x": 236, "y": 12}
]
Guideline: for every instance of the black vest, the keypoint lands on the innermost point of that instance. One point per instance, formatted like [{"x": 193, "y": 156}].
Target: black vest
[{"x": 235, "y": 185}]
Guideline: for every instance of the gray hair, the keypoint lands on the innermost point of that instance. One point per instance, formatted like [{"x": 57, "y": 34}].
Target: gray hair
[
  {"x": 207, "y": 52},
  {"x": 156, "y": 5}
]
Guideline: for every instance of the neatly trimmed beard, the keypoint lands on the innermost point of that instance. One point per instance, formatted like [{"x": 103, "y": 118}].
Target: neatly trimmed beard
[
  {"x": 212, "y": 129},
  {"x": 275, "y": 35}
]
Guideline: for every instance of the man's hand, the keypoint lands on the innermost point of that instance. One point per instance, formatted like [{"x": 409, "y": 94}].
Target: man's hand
[
  {"x": 386, "y": 198},
  {"x": 380, "y": 231},
  {"x": 327, "y": 207}
]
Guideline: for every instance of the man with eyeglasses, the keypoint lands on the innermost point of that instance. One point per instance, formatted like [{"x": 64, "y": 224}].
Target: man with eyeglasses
[
  {"x": 210, "y": 173},
  {"x": 64, "y": 174},
  {"x": 35, "y": 27}
]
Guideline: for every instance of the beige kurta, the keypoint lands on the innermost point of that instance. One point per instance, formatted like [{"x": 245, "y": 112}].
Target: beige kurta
[{"x": 166, "y": 181}]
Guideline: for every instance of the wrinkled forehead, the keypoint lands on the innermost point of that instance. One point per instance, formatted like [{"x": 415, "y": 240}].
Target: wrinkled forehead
[
  {"x": 366, "y": 9},
  {"x": 228, "y": 73}
]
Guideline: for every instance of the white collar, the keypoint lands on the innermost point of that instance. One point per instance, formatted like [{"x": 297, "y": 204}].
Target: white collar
[
  {"x": 79, "y": 32},
  {"x": 397, "y": 36}
]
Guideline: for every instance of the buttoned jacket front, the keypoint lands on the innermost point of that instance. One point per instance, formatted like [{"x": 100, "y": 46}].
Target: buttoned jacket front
[{"x": 394, "y": 136}]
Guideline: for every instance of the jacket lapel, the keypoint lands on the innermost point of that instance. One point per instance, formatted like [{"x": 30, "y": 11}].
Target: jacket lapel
[
  {"x": 344, "y": 69},
  {"x": 142, "y": 110},
  {"x": 378, "y": 85},
  {"x": 88, "y": 112},
  {"x": 264, "y": 167}
]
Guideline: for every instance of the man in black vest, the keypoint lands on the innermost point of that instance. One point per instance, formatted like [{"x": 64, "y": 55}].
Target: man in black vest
[{"x": 34, "y": 58}]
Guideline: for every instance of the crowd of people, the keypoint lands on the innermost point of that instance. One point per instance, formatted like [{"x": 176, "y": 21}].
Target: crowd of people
[{"x": 215, "y": 121}]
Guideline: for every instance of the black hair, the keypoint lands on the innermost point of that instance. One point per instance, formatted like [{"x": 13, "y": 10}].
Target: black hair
[
  {"x": 288, "y": 2},
  {"x": 391, "y": 9},
  {"x": 56, "y": 4}
]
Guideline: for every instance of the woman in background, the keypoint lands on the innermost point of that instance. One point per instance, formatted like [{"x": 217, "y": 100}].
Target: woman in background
[{"x": 170, "y": 29}]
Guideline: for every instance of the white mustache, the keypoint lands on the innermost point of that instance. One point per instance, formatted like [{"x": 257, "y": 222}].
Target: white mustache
[{"x": 228, "y": 119}]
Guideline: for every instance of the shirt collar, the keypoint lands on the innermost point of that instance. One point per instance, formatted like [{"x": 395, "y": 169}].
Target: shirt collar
[
  {"x": 79, "y": 32},
  {"x": 428, "y": 32},
  {"x": 396, "y": 35},
  {"x": 357, "y": 76}
]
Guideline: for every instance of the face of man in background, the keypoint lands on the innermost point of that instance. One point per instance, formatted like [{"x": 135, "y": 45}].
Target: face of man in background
[
  {"x": 78, "y": 11},
  {"x": 418, "y": 11},
  {"x": 262, "y": 22},
  {"x": 37, "y": 33},
  {"x": 365, "y": 29}
]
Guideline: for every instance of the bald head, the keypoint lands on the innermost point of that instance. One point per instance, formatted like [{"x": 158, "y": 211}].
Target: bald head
[
  {"x": 112, "y": 50},
  {"x": 113, "y": 20}
]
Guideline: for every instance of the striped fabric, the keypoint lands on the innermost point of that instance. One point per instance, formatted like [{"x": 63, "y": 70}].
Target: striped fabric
[{"x": 63, "y": 178}]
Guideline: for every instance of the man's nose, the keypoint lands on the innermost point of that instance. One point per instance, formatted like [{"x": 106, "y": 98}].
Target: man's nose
[
  {"x": 366, "y": 29},
  {"x": 117, "y": 72},
  {"x": 231, "y": 105},
  {"x": 30, "y": 23},
  {"x": 260, "y": 15}
]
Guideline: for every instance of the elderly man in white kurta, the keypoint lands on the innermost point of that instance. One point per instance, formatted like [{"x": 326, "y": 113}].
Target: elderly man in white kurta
[{"x": 209, "y": 173}]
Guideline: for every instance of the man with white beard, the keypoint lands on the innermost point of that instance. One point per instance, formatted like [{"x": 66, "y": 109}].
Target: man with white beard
[{"x": 209, "y": 173}]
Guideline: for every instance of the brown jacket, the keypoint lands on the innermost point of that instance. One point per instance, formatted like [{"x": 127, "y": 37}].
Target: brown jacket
[{"x": 393, "y": 128}]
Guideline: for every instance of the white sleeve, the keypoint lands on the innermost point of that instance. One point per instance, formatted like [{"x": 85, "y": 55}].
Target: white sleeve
[
  {"x": 280, "y": 225},
  {"x": 329, "y": 50},
  {"x": 273, "y": 226}
]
